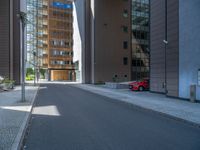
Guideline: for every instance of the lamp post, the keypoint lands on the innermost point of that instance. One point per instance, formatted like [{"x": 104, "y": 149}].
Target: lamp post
[
  {"x": 34, "y": 55},
  {"x": 165, "y": 84},
  {"x": 23, "y": 18},
  {"x": 165, "y": 41}
]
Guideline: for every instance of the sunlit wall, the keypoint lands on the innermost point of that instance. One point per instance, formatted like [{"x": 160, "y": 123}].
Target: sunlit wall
[{"x": 189, "y": 46}]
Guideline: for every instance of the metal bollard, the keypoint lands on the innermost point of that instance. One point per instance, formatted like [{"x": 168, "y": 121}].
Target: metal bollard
[{"x": 193, "y": 93}]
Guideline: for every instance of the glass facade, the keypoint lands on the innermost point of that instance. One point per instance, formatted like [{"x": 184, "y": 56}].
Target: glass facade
[
  {"x": 37, "y": 34},
  {"x": 140, "y": 39},
  {"x": 31, "y": 31}
]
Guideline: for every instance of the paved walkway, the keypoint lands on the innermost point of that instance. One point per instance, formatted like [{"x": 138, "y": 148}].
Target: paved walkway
[
  {"x": 177, "y": 108},
  {"x": 14, "y": 115}
]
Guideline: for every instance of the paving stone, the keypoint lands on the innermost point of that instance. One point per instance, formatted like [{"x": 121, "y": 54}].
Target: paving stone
[{"x": 12, "y": 114}]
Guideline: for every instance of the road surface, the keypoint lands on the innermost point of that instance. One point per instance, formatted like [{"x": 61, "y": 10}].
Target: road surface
[{"x": 69, "y": 118}]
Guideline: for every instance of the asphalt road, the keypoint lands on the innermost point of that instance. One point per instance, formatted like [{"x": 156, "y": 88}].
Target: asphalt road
[{"x": 68, "y": 118}]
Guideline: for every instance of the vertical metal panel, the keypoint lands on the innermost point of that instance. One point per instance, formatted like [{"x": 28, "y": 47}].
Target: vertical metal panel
[
  {"x": 157, "y": 47},
  {"x": 16, "y": 41},
  {"x": 164, "y": 65},
  {"x": 87, "y": 53},
  {"x": 4, "y": 38},
  {"x": 172, "y": 47},
  {"x": 11, "y": 39}
]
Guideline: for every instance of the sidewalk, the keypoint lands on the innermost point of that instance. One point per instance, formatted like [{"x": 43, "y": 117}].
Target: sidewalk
[
  {"x": 14, "y": 116},
  {"x": 176, "y": 108}
]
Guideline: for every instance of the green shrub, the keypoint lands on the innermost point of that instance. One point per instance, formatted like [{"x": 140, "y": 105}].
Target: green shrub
[
  {"x": 29, "y": 77},
  {"x": 29, "y": 71},
  {"x": 42, "y": 72},
  {"x": 8, "y": 81}
]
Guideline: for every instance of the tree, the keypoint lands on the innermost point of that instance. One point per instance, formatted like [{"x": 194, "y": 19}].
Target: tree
[{"x": 29, "y": 71}]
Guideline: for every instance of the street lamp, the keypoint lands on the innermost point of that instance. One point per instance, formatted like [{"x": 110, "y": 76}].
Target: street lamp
[
  {"x": 165, "y": 84},
  {"x": 34, "y": 59},
  {"x": 165, "y": 42},
  {"x": 23, "y": 18}
]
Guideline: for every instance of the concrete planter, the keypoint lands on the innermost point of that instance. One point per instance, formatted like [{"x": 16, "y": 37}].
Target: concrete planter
[
  {"x": 7, "y": 86},
  {"x": 114, "y": 85}
]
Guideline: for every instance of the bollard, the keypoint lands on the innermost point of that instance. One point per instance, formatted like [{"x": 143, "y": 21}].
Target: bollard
[{"x": 193, "y": 93}]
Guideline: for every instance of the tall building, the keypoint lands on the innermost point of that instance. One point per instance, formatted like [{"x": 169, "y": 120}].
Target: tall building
[
  {"x": 163, "y": 45},
  {"x": 51, "y": 37},
  {"x": 10, "y": 40},
  {"x": 175, "y": 47},
  {"x": 118, "y": 49},
  {"x": 109, "y": 46}
]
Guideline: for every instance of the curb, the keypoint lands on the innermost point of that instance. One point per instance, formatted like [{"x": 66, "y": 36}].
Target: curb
[
  {"x": 18, "y": 142},
  {"x": 132, "y": 105}
]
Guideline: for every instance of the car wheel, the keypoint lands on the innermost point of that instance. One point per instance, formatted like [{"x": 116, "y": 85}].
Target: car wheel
[{"x": 141, "y": 88}]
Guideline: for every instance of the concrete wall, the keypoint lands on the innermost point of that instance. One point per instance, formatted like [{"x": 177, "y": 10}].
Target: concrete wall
[
  {"x": 92, "y": 38},
  {"x": 189, "y": 35},
  {"x": 79, "y": 36},
  {"x": 23, "y": 5},
  {"x": 107, "y": 49}
]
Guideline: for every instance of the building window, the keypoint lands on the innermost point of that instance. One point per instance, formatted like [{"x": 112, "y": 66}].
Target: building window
[
  {"x": 125, "y": 13},
  {"x": 125, "y": 45},
  {"x": 125, "y": 61},
  {"x": 199, "y": 77},
  {"x": 125, "y": 29}
]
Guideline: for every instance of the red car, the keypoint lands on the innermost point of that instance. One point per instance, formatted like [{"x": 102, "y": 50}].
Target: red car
[{"x": 139, "y": 85}]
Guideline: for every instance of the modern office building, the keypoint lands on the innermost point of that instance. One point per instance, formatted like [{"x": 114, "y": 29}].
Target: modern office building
[
  {"x": 112, "y": 42},
  {"x": 108, "y": 54},
  {"x": 160, "y": 42},
  {"x": 109, "y": 45},
  {"x": 50, "y": 35},
  {"x": 175, "y": 47},
  {"x": 118, "y": 49},
  {"x": 10, "y": 39}
]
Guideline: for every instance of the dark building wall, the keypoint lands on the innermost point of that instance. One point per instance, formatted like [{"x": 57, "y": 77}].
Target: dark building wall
[
  {"x": 10, "y": 39},
  {"x": 16, "y": 42},
  {"x": 4, "y": 38},
  {"x": 164, "y": 64},
  {"x": 87, "y": 53},
  {"x": 108, "y": 51},
  {"x": 157, "y": 47},
  {"x": 172, "y": 51}
]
